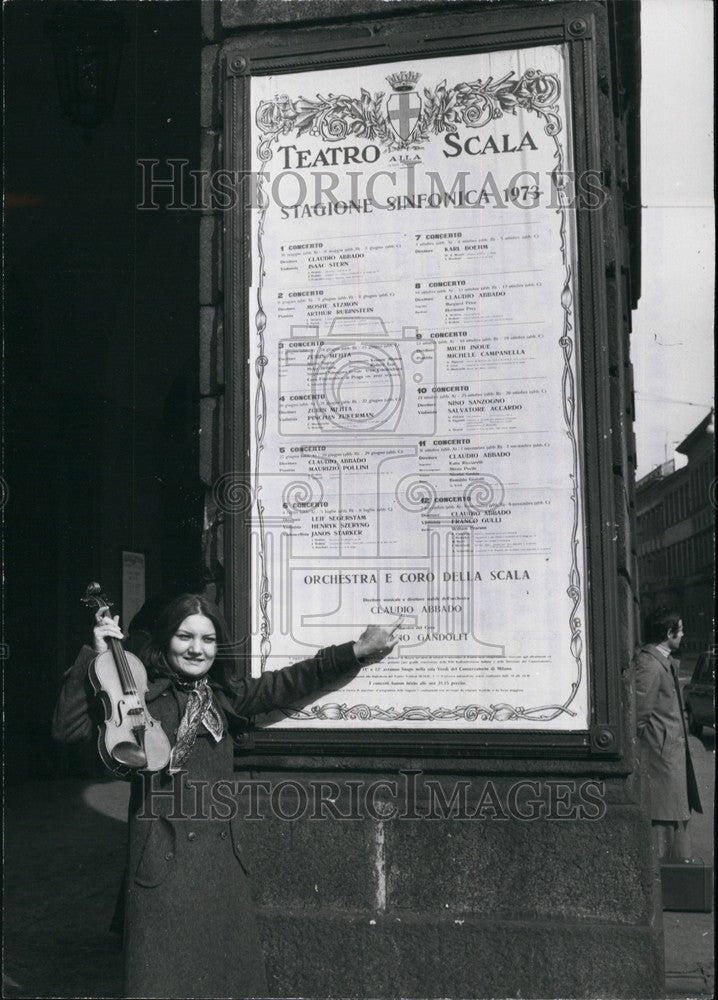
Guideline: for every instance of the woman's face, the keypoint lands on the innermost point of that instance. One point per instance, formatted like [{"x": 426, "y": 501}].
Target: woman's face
[{"x": 193, "y": 647}]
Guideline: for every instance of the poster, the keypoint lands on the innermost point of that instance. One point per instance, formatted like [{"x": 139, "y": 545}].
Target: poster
[{"x": 414, "y": 398}]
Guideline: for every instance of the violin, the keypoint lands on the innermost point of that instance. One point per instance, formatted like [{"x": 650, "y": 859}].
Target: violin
[{"x": 129, "y": 738}]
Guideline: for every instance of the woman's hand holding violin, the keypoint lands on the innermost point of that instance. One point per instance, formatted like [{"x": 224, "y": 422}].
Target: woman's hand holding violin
[
  {"x": 106, "y": 628},
  {"x": 375, "y": 643}
]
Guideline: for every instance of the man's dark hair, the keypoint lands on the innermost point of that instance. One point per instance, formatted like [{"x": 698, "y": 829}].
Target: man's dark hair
[{"x": 660, "y": 622}]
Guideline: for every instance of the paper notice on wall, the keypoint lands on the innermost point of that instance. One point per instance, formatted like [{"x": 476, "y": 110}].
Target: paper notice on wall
[{"x": 415, "y": 394}]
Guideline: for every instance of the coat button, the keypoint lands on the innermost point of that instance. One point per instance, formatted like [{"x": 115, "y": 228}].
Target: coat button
[
  {"x": 187, "y": 783},
  {"x": 191, "y": 836},
  {"x": 169, "y": 855},
  {"x": 223, "y": 834},
  {"x": 238, "y": 846}
]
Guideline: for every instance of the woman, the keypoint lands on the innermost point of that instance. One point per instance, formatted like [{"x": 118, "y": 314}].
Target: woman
[{"x": 189, "y": 927}]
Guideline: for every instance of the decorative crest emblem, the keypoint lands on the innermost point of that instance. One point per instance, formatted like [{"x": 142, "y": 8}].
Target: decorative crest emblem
[
  {"x": 404, "y": 80},
  {"x": 404, "y": 106}
]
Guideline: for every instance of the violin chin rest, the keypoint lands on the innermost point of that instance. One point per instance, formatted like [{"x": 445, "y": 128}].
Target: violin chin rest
[{"x": 129, "y": 754}]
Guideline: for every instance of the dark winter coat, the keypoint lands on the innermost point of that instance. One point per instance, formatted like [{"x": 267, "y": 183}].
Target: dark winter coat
[
  {"x": 189, "y": 926},
  {"x": 661, "y": 725}
]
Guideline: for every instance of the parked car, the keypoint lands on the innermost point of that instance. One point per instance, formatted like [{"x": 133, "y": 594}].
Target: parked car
[{"x": 699, "y": 694}]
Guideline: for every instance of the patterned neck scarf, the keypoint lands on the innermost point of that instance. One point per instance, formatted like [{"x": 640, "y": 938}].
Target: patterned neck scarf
[{"x": 200, "y": 708}]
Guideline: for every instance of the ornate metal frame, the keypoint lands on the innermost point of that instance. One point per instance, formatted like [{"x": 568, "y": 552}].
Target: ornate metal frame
[{"x": 394, "y": 39}]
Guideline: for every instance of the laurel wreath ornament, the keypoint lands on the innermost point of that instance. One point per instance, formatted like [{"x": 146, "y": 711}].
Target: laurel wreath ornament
[{"x": 473, "y": 105}]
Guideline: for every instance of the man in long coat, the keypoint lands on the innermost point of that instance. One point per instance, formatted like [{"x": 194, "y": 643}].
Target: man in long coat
[{"x": 665, "y": 756}]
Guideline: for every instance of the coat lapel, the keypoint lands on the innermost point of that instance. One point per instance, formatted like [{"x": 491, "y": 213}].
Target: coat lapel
[
  {"x": 664, "y": 661},
  {"x": 157, "y": 687}
]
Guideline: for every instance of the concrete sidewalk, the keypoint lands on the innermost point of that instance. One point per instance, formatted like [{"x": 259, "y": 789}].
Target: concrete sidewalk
[
  {"x": 64, "y": 856},
  {"x": 690, "y": 960}
]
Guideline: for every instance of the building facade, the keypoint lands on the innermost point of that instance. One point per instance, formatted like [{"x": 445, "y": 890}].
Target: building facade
[
  {"x": 676, "y": 537},
  {"x": 126, "y": 454}
]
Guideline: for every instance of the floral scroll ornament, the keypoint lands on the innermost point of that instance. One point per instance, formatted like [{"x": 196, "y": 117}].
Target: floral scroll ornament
[
  {"x": 468, "y": 713},
  {"x": 443, "y": 109}
]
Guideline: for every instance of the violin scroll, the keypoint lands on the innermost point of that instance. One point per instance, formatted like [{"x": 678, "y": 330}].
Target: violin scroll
[{"x": 94, "y": 598}]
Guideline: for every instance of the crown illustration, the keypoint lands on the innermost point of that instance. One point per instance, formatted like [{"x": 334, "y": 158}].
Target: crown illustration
[{"x": 403, "y": 80}]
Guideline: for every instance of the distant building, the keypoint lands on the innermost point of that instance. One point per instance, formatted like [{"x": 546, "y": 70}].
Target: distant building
[{"x": 676, "y": 515}]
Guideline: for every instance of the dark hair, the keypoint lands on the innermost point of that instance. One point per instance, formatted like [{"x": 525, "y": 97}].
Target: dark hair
[
  {"x": 155, "y": 653},
  {"x": 660, "y": 622},
  {"x": 146, "y": 617}
]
